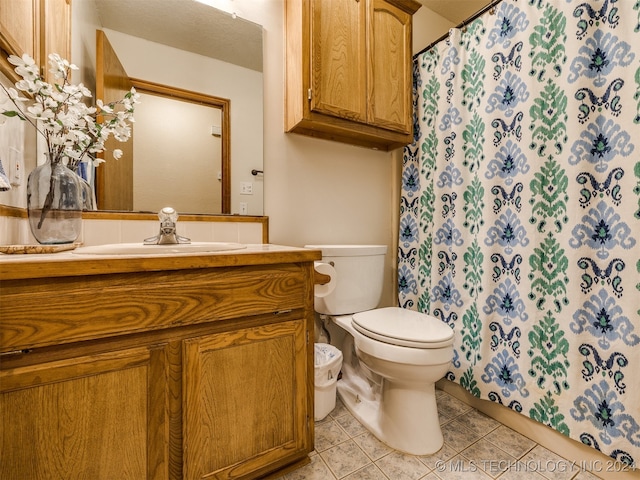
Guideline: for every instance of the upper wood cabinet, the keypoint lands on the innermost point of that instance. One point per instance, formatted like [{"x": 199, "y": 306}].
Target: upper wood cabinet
[
  {"x": 390, "y": 67},
  {"x": 338, "y": 58},
  {"x": 348, "y": 70},
  {"x": 34, "y": 27},
  {"x": 19, "y": 30},
  {"x": 55, "y": 31}
]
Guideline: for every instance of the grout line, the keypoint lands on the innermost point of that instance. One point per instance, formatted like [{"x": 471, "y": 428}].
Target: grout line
[{"x": 432, "y": 472}]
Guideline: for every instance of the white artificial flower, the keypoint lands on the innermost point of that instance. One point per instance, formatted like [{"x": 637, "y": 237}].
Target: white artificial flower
[
  {"x": 49, "y": 102},
  {"x": 25, "y": 66},
  {"x": 37, "y": 112},
  {"x": 84, "y": 90},
  {"x": 103, "y": 107},
  {"x": 59, "y": 66},
  {"x": 68, "y": 120},
  {"x": 45, "y": 90},
  {"x": 27, "y": 86},
  {"x": 58, "y": 112},
  {"x": 8, "y": 98},
  {"x": 117, "y": 154},
  {"x": 21, "y": 61}
]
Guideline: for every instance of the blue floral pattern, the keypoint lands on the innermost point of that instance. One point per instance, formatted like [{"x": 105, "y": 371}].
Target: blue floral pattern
[{"x": 520, "y": 212}]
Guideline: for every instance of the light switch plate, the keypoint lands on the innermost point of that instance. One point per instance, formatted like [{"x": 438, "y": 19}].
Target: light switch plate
[{"x": 246, "y": 188}]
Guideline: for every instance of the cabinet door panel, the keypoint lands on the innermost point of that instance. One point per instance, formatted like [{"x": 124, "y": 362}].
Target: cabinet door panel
[
  {"x": 229, "y": 433},
  {"x": 390, "y": 93},
  {"x": 338, "y": 71},
  {"x": 86, "y": 417},
  {"x": 19, "y": 30},
  {"x": 56, "y": 36},
  {"x": 35, "y": 27}
]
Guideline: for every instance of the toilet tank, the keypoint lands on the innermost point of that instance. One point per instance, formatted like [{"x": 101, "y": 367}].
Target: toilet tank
[{"x": 359, "y": 278}]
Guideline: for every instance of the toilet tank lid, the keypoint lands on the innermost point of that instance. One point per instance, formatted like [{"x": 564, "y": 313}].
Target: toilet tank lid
[{"x": 349, "y": 250}]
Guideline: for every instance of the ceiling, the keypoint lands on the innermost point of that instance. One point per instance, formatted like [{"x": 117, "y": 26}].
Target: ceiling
[
  {"x": 456, "y": 11},
  {"x": 187, "y": 25}
]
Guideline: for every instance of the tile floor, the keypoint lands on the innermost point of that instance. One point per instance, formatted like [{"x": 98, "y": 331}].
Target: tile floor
[{"x": 476, "y": 447}]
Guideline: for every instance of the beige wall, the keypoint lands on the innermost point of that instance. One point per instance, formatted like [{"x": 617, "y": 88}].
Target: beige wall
[
  {"x": 190, "y": 158},
  {"x": 17, "y": 195},
  {"x": 428, "y": 27}
]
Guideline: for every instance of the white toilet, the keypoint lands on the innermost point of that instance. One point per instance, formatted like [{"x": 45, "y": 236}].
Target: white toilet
[{"x": 392, "y": 356}]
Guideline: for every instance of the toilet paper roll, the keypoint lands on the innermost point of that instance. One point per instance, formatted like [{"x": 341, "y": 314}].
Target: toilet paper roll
[{"x": 327, "y": 288}]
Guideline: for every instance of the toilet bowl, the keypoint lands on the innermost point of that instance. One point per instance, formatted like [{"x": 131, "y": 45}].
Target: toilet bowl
[
  {"x": 392, "y": 356},
  {"x": 390, "y": 388}
]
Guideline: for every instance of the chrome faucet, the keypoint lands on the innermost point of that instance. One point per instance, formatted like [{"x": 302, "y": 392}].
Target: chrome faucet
[{"x": 168, "y": 219}]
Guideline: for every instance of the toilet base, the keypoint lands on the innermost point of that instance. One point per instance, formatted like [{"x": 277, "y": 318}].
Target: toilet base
[{"x": 403, "y": 417}]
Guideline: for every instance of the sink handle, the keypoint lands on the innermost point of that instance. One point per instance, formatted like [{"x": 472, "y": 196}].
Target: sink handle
[
  {"x": 168, "y": 220},
  {"x": 168, "y": 214}
]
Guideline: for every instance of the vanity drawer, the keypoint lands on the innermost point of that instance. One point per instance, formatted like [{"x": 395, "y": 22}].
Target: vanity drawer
[{"x": 41, "y": 312}]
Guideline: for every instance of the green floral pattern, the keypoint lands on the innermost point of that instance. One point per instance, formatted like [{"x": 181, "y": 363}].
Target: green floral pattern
[{"x": 526, "y": 236}]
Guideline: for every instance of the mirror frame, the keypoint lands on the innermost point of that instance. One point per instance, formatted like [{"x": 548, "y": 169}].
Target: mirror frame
[{"x": 224, "y": 104}]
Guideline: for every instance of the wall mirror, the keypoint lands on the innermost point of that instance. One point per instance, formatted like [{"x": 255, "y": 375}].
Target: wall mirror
[{"x": 185, "y": 46}]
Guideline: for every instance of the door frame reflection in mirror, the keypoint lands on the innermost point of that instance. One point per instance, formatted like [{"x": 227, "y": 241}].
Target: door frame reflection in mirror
[{"x": 223, "y": 104}]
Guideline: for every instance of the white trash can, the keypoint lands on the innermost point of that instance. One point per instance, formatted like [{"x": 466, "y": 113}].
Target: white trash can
[{"x": 327, "y": 364}]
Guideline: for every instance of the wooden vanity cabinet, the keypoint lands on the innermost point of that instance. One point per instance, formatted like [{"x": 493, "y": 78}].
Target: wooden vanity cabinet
[
  {"x": 37, "y": 28},
  {"x": 91, "y": 415},
  {"x": 348, "y": 70},
  {"x": 186, "y": 373},
  {"x": 245, "y": 400}
]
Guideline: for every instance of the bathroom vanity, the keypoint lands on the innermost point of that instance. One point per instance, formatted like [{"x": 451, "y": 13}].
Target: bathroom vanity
[{"x": 156, "y": 366}]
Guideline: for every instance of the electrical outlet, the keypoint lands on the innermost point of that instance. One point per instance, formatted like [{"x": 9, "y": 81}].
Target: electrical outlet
[
  {"x": 246, "y": 188},
  {"x": 16, "y": 167}
]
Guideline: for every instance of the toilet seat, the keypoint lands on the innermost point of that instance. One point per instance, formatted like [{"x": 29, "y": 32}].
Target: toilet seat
[{"x": 403, "y": 327}]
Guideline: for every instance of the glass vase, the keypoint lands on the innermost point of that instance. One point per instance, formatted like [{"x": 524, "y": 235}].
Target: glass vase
[
  {"x": 88, "y": 195},
  {"x": 54, "y": 203}
]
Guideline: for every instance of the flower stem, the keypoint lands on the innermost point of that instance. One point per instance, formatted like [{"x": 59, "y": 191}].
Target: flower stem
[
  {"x": 21, "y": 114},
  {"x": 48, "y": 200}
]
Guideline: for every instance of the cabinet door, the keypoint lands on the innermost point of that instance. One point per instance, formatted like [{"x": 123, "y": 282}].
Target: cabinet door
[
  {"x": 100, "y": 416},
  {"x": 19, "y": 31},
  {"x": 390, "y": 67},
  {"x": 56, "y": 32},
  {"x": 35, "y": 27},
  {"x": 245, "y": 406},
  {"x": 338, "y": 59}
]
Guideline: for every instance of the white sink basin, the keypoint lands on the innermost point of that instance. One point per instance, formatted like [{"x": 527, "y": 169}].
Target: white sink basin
[{"x": 142, "y": 249}]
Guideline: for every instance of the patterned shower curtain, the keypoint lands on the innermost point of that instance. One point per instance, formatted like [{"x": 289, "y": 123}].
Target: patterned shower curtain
[{"x": 520, "y": 212}]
